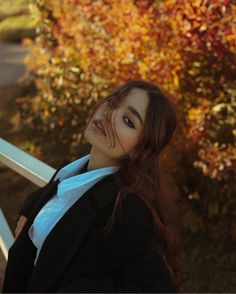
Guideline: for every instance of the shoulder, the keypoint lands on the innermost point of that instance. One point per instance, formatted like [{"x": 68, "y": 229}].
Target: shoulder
[
  {"x": 32, "y": 198},
  {"x": 135, "y": 211}
]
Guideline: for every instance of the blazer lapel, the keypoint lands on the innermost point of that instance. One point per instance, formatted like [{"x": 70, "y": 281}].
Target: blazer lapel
[
  {"x": 46, "y": 195},
  {"x": 69, "y": 233}
]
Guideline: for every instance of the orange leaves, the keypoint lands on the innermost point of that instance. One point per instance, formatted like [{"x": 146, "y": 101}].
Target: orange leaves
[
  {"x": 143, "y": 69},
  {"x": 85, "y": 47},
  {"x": 216, "y": 159}
]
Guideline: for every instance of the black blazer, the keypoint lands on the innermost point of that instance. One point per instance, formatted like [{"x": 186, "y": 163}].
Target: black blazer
[{"x": 77, "y": 257}]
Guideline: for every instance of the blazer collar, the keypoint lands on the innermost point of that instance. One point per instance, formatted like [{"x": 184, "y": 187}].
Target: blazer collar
[{"x": 75, "y": 225}]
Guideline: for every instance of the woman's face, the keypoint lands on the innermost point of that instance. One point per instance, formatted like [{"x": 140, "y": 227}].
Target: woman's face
[{"x": 123, "y": 129}]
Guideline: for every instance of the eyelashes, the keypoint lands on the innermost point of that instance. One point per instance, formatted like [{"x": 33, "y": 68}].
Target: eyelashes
[{"x": 129, "y": 124}]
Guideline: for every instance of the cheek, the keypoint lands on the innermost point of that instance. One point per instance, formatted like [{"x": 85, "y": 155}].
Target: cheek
[{"x": 128, "y": 137}]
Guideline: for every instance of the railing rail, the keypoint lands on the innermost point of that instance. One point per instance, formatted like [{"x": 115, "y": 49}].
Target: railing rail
[{"x": 29, "y": 167}]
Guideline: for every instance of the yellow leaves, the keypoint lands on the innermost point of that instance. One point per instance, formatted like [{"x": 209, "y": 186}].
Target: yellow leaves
[
  {"x": 46, "y": 113},
  {"x": 101, "y": 44},
  {"x": 49, "y": 97},
  {"x": 128, "y": 58},
  {"x": 143, "y": 68},
  {"x": 136, "y": 28},
  {"x": 55, "y": 60},
  {"x": 230, "y": 37},
  {"x": 215, "y": 159},
  {"x": 197, "y": 3},
  {"x": 191, "y": 72},
  {"x": 92, "y": 48},
  {"x": 75, "y": 69},
  {"x": 196, "y": 119},
  {"x": 197, "y": 64},
  {"x": 97, "y": 79},
  {"x": 59, "y": 81},
  {"x": 218, "y": 107},
  {"x": 186, "y": 26},
  {"x": 145, "y": 38},
  {"x": 203, "y": 27},
  {"x": 195, "y": 114},
  {"x": 176, "y": 81},
  {"x": 123, "y": 48}
]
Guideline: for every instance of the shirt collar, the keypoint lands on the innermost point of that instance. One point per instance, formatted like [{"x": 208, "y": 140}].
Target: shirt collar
[{"x": 76, "y": 165}]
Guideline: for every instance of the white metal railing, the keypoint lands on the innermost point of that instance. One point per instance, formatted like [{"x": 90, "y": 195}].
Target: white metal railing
[
  {"x": 6, "y": 237},
  {"x": 29, "y": 167}
]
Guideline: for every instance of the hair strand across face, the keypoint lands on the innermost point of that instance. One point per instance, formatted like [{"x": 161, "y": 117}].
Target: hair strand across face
[{"x": 142, "y": 175}]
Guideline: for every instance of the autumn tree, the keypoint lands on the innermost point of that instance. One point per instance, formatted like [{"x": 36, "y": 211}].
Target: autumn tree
[{"x": 84, "y": 49}]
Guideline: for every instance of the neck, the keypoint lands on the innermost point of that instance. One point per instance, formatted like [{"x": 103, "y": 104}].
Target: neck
[{"x": 98, "y": 160}]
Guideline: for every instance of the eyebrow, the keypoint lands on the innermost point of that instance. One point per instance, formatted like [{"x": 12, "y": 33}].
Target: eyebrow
[{"x": 135, "y": 112}]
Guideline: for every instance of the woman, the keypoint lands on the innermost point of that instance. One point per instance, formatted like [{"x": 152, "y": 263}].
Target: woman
[{"x": 107, "y": 226}]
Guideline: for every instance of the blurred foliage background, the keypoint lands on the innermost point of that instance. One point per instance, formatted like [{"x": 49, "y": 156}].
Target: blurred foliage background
[
  {"x": 15, "y": 21},
  {"x": 83, "y": 49}
]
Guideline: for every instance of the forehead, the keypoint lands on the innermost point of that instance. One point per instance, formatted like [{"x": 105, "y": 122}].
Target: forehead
[{"x": 137, "y": 98}]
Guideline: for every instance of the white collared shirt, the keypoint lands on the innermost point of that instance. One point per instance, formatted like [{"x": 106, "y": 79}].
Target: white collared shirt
[{"x": 70, "y": 189}]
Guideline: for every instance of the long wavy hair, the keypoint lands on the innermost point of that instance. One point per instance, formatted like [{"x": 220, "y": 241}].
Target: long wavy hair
[{"x": 142, "y": 175}]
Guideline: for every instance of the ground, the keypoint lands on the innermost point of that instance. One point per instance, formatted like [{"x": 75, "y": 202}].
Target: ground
[{"x": 12, "y": 68}]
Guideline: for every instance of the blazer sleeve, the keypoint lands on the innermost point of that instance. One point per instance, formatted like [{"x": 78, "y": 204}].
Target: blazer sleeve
[
  {"x": 131, "y": 247},
  {"x": 29, "y": 202},
  {"x": 33, "y": 197}
]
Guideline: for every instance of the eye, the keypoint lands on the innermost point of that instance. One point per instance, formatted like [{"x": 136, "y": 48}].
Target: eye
[{"x": 130, "y": 125}]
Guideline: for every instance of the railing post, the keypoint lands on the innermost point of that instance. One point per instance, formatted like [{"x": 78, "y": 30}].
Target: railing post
[{"x": 6, "y": 237}]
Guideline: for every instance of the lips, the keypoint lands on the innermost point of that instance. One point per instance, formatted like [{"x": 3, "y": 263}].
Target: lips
[{"x": 99, "y": 125}]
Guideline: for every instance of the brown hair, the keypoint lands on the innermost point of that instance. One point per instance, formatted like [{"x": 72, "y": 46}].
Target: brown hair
[{"x": 141, "y": 174}]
